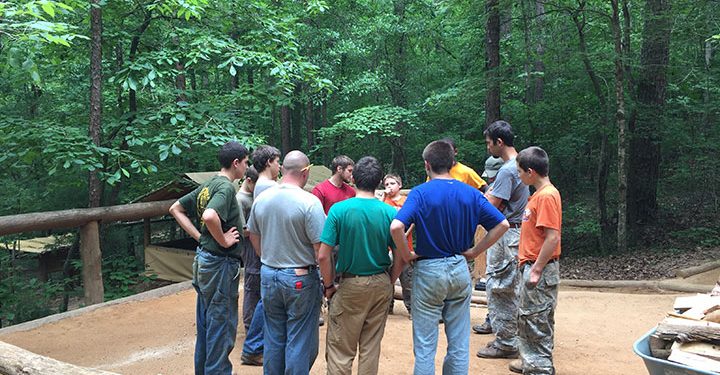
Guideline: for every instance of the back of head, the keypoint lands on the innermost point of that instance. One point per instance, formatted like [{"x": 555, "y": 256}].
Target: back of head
[
  {"x": 295, "y": 163},
  {"x": 500, "y": 130},
  {"x": 492, "y": 166},
  {"x": 342, "y": 161},
  {"x": 440, "y": 155},
  {"x": 367, "y": 173},
  {"x": 252, "y": 174},
  {"x": 264, "y": 155},
  {"x": 231, "y": 151},
  {"x": 534, "y": 158},
  {"x": 451, "y": 142}
]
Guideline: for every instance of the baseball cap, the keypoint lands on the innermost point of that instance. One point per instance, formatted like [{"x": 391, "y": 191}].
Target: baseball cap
[{"x": 492, "y": 165}]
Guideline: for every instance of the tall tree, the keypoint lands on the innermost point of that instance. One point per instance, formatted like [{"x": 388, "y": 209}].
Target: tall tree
[
  {"x": 649, "y": 114},
  {"x": 492, "y": 61},
  {"x": 91, "y": 255},
  {"x": 622, "y": 127}
]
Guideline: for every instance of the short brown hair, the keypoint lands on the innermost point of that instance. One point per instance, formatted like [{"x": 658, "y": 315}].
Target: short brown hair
[{"x": 440, "y": 155}]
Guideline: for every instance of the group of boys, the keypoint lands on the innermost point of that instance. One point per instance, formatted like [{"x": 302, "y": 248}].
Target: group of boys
[{"x": 343, "y": 234}]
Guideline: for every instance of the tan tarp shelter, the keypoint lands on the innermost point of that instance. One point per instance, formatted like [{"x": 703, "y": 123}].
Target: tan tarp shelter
[
  {"x": 173, "y": 260},
  {"x": 50, "y": 251}
]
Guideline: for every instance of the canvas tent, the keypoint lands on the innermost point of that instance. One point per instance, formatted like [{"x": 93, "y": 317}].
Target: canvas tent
[{"x": 172, "y": 260}]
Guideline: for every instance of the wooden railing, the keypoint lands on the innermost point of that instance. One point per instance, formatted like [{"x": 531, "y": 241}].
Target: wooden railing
[{"x": 88, "y": 220}]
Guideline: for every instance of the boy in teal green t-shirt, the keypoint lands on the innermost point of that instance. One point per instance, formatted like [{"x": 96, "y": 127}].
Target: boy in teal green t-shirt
[{"x": 360, "y": 226}]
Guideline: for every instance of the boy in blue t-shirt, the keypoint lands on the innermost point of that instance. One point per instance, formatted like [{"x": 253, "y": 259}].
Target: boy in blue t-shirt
[{"x": 446, "y": 213}]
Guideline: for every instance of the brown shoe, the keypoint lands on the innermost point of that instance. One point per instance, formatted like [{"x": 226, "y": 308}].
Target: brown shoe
[
  {"x": 495, "y": 352},
  {"x": 482, "y": 329},
  {"x": 516, "y": 366}
]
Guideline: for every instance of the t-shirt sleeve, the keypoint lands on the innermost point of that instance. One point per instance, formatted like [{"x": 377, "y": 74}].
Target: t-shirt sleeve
[
  {"x": 474, "y": 180},
  {"x": 502, "y": 187},
  {"x": 252, "y": 222},
  {"x": 489, "y": 215},
  {"x": 188, "y": 200},
  {"x": 548, "y": 212},
  {"x": 318, "y": 193},
  {"x": 314, "y": 221},
  {"x": 330, "y": 231},
  {"x": 409, "y": 209},
  {"x": 391, "y": 212},
  {"x": 220, "y": 201}
]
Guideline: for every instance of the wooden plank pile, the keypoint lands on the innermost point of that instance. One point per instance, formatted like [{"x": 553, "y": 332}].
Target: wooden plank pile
[{"x": 691, "y": 335}]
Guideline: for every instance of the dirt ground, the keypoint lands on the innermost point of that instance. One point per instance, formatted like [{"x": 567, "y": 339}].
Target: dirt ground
[{"x": 595, "y": 331}]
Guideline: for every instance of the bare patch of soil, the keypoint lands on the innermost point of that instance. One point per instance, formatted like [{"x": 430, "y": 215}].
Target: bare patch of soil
[{"x": 639, "y": 265}]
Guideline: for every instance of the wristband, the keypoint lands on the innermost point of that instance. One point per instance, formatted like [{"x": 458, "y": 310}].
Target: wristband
[{"x": 329, "y": 287}]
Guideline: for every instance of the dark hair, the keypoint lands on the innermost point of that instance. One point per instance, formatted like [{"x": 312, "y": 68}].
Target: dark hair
[
  {"x": 534, "y": 158},
  {"x": 500, "y": 130},
  {"x": 252, "y": 174},
  {"x": 263, "y": 155},
  {"x": 341, "y": 161},
  {"x": 231, "y": 151},
  {"x": 394, "y": 177},
  {"x": 451, "y": 142},
  {"x": 440, "y": 155},
  {"x": 367, "y": 173}
]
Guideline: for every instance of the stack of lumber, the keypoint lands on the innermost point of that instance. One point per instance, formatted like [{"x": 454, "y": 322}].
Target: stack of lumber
[{"x": 691, "y": 335}]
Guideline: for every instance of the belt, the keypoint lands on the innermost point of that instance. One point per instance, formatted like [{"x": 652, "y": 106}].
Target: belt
[
  {"x": 515, "y": 225},
  {"x": 348, "y": 275},
  {"x": 531, "y": 262},
  {"x": 311, "y": 267},
  {"x": 220, "y": 254},
  {"x": 425, "y": 258}
]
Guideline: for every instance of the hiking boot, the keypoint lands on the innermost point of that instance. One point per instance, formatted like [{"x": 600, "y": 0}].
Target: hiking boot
[
  {"x": 251, "y": 359},
  {"x": 482, "y": 329},
  {"x": 493, "y": 351},
  {"x": 516, "y": 366}
]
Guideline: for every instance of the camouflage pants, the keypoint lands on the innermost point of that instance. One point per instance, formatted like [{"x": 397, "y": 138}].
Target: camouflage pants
[
  {"x": 503, "y": 289},
  {"x": 536, "y": 322}
]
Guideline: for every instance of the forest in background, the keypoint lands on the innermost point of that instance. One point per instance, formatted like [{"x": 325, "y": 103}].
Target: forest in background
[{"x": 103, "y": 100}]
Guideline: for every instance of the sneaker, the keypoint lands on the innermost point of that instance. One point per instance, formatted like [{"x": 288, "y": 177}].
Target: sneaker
[
  {"x": 495, "y": 352},
  {"x": 482, "y": 329},
  {"x": 251, "y": 359},
  {"x": 516, "y": 366},
  {"x": 481, "y": 285},
  {"x": 321, "y": 321}
]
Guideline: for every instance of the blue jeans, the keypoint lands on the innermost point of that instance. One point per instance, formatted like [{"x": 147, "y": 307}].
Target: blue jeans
[
  {"x": 292, "y": 308},
  {"x": 216, "y": 282},
  {"x": 441, "y": 288},
  {"x": 254, "y": 335}
]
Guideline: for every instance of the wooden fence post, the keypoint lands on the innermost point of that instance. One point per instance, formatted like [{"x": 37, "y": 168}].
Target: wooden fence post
[{"x": 92, "y": 263}]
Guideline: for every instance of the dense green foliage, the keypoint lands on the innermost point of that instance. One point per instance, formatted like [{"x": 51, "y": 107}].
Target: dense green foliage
[{"x": 356, "y": 77}]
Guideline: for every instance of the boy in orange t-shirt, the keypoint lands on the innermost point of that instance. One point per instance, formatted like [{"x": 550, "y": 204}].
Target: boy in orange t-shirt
[
  {"x": 538, "y": 255},
  {"x": 392, "y": 196}
]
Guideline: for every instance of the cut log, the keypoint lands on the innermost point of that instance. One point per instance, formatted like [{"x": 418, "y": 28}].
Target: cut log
[
  {"x": 18, "y": 361},
  {"x": 692, "y": 359},
  {"x": 685, "y": 330}
]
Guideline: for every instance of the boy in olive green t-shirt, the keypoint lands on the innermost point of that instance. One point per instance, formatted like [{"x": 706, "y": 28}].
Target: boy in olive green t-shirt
[{"x": 217, "y": 261}]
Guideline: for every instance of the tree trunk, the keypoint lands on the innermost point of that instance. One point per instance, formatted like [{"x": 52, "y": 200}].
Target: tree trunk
[
  {"x": 90, "y": 253},
  {"x": 492, "y": 61},
  {"x": 180, "y": 84},
  {"x": 647, "y": 118},
  {"x": 94, "y": 184},
  {"x": 539, "y": 66},
  {"x": 285, "y": 127},
  {"x": 18, "y": 361},
  {"x": 622, "y": 130},
  {"x": 310, "y": 124}
]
